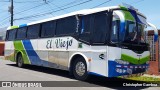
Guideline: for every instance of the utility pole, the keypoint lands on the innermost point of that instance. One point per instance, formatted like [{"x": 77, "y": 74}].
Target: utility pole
[{"x": 11, "y": 11}]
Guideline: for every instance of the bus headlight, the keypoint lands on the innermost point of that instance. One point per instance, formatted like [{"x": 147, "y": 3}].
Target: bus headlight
[{"x": 121, "y": 61}]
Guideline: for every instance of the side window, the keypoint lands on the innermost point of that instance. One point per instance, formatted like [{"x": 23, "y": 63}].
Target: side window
[
  {"x": 48, "y": 29},
  {"x": 7, "y": 34},
  {"x": 115, "y": 28},
  {"x": 66, "y": 26},
  {"x": 11, "y": 34},
  {"x": 85, "y": 28},
  {"x": 100, "y": 28},
  {"x": 33, "y": 31},
  {"x": 21, "y": 33}
]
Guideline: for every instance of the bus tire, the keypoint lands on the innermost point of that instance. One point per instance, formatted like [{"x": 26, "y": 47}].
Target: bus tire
[
  {"x": 20, "y": 61},
  {"x": 80, "y": 69}
]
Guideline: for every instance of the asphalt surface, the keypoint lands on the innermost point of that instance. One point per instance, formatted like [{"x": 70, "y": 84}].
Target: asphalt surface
[{"x": 56, "y": 79}]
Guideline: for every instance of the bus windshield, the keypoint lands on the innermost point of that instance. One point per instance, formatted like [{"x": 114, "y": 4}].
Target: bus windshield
[{"x": 131, "y": 31}]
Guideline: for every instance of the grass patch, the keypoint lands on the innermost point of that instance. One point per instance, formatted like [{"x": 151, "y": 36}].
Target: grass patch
[{"x": 145, "y": 79}]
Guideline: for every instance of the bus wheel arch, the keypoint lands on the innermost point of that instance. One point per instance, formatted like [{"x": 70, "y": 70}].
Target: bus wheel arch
[{"x": 75, "y": 59}]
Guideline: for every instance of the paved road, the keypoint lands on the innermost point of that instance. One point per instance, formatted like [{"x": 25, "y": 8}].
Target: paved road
[{"x": 10, "y": 72}]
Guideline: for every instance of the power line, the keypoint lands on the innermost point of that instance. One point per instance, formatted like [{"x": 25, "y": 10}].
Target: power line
[
  {"x": 4, "y": 23},
  {"x": 30, "y": 8},
  {"x": 19, "y": 12},
  {"x": 50, "y": 8},
  {"x": 73, "y": 2},
  {"x": 4, "y": 20},
  {"x": 25, "y": 6},
  {"x": 26, "y": 2},
  {"x": 10, "y": 10},
  {"x": 137, "y": 2},
  {"x": 37, "y": 15},
  {"x": 19, "y": 1},
  {"x": 45, "y": 4},
  {"x": 44, "y": 14},
  {"x": 33, "y": 7},
  {"x": 101, "y": 3},
  {"x": 59, "y": 7},
  {"x": 64, "y": 5}
]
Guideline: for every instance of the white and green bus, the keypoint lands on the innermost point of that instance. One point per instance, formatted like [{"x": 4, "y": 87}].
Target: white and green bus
[{"x": 106, "y": 41}]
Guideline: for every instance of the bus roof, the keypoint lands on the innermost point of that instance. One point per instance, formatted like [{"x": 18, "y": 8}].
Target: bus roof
[{"x": 80, "y": 12}]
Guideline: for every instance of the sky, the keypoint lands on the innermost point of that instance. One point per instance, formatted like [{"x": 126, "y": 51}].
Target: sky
[{"x": 26, "y": 11}]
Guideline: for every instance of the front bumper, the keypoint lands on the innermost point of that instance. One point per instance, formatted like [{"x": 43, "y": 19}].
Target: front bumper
[{"x": 115, "y": 69}]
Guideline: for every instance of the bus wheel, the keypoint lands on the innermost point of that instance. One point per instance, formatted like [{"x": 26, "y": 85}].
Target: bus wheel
[
  {"x": 20, "y": 61},
  {"x": 80, "y": 69}
]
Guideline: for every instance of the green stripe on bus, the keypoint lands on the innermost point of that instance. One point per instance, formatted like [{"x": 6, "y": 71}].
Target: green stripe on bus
[
  {"x": 134, "y": 60},
  {"x": 127, "y": 14},
  {"x": 20, "y": 48},
  {"x": 14, "y": 27},
  {"x": 10, "y": 57}
]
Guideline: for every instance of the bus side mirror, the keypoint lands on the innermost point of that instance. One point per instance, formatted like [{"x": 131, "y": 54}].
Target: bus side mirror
[{"x": 155, "y": 31}]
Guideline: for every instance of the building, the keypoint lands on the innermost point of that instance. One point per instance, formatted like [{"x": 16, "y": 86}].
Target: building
[
  {"x": 154, "y": 62},
  {"x": 2, "y": 38}
]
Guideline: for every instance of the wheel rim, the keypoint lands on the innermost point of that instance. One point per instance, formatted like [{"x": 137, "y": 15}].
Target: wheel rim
[
  {"x": 80, "y": 68},
  {"x": 19, "y": 61}
]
